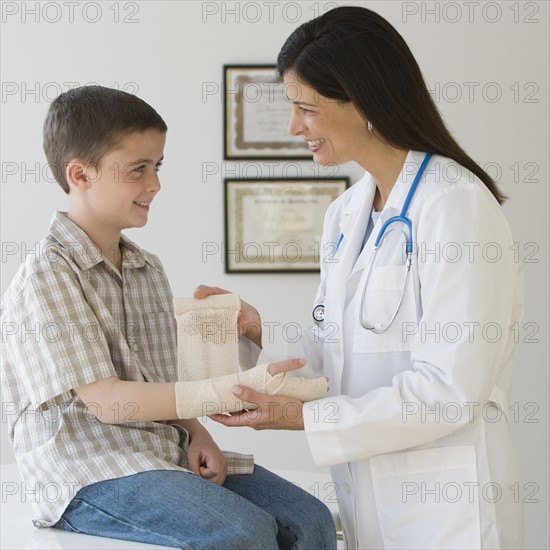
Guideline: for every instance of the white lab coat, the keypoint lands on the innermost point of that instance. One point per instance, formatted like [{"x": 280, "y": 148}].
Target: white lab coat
[{"x": 416, "y": 427}]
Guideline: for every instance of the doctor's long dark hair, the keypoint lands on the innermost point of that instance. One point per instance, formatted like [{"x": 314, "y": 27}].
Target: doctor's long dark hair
[{"x": 353, "y": 54}]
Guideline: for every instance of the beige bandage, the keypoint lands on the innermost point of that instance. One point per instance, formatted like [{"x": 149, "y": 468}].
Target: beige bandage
[
  {"x": 207, "y": 397},
  {"x": 207, "y": 336}
]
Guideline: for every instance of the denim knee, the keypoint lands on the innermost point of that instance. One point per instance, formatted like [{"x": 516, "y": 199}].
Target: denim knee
[
  {"x": 318, "y": 531},
  {"x": 261, "y": 534}
]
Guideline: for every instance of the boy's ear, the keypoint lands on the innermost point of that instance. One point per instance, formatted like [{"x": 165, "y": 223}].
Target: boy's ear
[{"x": 79, "y": 174}]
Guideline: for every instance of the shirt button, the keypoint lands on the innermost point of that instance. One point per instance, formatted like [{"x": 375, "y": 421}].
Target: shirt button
[
  {"x": 347, "y": 488},
  {"x": 134, "y": 347}
]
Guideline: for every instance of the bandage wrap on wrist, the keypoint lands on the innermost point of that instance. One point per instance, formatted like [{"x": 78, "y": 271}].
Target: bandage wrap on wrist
[
  {"x": 213, "y": 396},
  {"x": 207, "y": 336}
]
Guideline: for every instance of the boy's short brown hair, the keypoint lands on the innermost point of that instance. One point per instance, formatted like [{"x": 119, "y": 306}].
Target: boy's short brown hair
[{"x": 89, "y": 121}]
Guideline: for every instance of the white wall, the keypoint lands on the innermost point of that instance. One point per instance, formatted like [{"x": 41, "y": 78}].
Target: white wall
[{"x": 470, "y": 52}]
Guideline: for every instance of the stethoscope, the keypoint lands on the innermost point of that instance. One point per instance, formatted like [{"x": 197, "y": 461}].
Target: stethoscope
[{"x": 318, "y": 312}]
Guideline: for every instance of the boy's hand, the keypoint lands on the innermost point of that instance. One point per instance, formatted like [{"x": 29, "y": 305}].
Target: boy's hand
[
  {"x": 206, "y": 459},
  {"x": 250, "y": 324}
]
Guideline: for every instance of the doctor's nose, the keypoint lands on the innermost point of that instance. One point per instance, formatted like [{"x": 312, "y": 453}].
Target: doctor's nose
[{"x": 296, "y": 125}]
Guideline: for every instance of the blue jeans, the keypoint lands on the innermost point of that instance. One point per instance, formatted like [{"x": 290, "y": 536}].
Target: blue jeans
[{"x": 181, "y": 510}]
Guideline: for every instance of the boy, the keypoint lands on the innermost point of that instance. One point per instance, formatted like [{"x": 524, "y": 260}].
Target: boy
[{"x": 99, "y": 409}]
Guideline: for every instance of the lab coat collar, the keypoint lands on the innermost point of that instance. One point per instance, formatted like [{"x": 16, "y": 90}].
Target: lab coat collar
[
  {"x": 404, "y": 181},
  {"x": 366, "y": 189},
  {"x": 357, "y": 211},
  {"x": 393, "y": 205},
  {"x": 364, "y": 195}
]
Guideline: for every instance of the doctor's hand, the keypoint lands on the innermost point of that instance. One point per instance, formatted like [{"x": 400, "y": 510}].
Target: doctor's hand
[
  {"x": 274, "y": 412},
  {"x": 250, "y": 324}
]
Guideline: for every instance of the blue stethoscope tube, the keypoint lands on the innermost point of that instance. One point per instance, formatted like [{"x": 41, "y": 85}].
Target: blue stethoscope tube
[{"x": 319, "y": 310}]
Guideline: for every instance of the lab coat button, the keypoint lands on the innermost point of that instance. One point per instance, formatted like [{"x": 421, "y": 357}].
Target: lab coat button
[{"x": 347, "y": 488}]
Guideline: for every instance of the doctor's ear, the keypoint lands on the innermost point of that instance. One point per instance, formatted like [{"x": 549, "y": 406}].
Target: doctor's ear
[{"x": 80, "y": 174}]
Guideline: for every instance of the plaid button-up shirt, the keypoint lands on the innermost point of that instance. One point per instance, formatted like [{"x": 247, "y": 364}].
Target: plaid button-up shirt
[{"x": 70, "y": 318}]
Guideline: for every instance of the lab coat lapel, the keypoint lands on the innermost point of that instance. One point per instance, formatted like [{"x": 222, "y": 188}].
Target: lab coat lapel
[{"x": 353, "y": 226}]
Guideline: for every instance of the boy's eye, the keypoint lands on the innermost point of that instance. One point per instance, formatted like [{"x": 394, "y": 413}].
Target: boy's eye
[
  {"x": 139, "y": 169},
  {"x": 157, "y": 167}
]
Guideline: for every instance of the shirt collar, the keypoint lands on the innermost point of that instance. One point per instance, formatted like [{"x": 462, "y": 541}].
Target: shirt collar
[{"x": 85, "y": 252}]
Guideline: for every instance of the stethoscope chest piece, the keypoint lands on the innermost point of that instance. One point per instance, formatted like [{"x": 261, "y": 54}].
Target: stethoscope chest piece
[{"x": 318, "y": 313}]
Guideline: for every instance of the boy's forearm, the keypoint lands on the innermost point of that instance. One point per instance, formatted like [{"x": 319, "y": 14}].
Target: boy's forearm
[
  {"x": 151, "y": 401},
  {"x": 124, "y": 401},
  {"x": 115, "y": 401}
]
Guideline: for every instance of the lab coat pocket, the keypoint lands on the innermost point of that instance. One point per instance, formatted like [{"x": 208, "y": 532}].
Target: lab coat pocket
[
  {"x": 428, "y": 498},
  {"x": 382, "y": 297}
]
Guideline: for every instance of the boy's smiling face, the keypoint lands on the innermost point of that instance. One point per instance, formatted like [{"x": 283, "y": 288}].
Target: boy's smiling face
[{"x": 126, "y": 182}]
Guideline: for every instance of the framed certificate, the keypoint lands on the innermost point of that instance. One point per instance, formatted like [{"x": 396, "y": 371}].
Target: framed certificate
[
  {"x": 257, "y": 115},
  {"x": 275, "y": 225}
]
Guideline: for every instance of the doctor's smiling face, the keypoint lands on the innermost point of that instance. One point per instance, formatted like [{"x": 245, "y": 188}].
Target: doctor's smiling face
[{"x": 334, "y": 130}]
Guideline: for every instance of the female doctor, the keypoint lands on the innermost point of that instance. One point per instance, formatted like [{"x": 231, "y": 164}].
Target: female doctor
[{"x": 418, "y": 294}]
